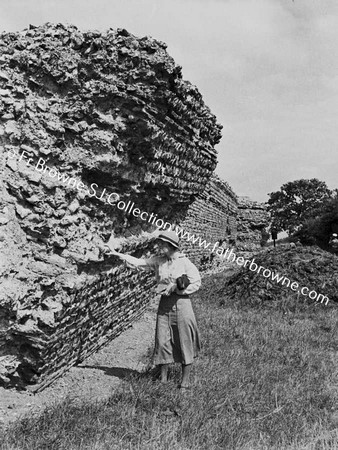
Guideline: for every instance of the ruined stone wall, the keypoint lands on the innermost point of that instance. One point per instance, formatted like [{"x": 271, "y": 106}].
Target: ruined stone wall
[
  {"x": 251, "y": 220},
  {"x": 85, "y": 116},
  {"x": 213, "y": 218},
  {"x": 88, "y": 120}
]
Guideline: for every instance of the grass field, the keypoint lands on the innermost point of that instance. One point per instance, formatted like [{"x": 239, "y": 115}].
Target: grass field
[{"x": 265, "y": 379}]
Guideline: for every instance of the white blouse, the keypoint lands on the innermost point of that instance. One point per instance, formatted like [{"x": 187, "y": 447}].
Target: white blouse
[{"x": 168, "y": 270}]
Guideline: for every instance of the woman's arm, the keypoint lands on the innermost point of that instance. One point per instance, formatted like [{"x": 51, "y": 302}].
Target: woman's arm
[
  {"x": 130, "y": 260},
  {"x": 194, "y": 278}
]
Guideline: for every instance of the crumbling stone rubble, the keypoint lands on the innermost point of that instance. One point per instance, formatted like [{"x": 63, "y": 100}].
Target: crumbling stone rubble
[{"x": 310, "y": 267}]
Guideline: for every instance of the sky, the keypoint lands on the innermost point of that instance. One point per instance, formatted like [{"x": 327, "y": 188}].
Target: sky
[{"x": 268, "y": 69}]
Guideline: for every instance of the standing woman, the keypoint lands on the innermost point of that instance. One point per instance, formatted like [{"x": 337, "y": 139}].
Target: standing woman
[{"x": 177, "y": 337}]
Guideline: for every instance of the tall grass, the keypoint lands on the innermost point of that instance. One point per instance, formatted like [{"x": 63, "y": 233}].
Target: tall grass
[{"x": 266, "y": 379}]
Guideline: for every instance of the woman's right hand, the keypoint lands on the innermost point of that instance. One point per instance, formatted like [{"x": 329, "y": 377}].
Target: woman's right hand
[{"x": 131, "y": 261}]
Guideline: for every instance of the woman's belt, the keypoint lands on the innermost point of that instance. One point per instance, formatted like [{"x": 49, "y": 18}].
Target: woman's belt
[{"x": 174, "y": 294}]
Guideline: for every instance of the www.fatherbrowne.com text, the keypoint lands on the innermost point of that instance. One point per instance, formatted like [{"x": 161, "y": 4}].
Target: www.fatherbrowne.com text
[{"x": 113, "y": 199}]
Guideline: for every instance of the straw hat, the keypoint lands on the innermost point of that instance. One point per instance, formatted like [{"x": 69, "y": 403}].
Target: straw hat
[{"x": 169, "y": 236}]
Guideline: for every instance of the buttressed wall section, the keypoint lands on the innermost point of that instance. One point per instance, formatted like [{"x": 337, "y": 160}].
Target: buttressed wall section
[
  {"x": 85, "y": 116},
  {"x": 252, "y": 219},
  {"x": 211, "y": 219}
]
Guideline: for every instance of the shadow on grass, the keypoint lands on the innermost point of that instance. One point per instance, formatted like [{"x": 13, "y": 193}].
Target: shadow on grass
[
  {"x": 119, "y": 372},
  {"x": 124, "y": 373}
]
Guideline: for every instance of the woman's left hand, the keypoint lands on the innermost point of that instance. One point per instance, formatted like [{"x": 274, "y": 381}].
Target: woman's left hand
[{"x": 171, "y": 288}]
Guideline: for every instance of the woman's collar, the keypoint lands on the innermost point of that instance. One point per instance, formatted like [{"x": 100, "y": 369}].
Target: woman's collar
[{"x": 174, "y": 256}]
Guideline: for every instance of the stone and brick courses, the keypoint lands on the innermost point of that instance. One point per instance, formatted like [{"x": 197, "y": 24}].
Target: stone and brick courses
[
  {"x": 252, "y": 218},
  {"x": 92, "y": 316},
  {"x": 106, "y": 108}
]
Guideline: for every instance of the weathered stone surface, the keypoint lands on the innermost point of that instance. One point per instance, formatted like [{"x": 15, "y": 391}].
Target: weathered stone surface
[
  {"x": 84, "y": 115},
  {"x": 252, "y": 219},
  {"x": 88, "y": 119},
  {"x": 213, "y": 218}
]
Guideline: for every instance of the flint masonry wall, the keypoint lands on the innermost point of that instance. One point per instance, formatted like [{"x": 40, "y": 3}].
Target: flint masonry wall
[
  {"x": 252, "y": 218},
  {"x": 83, "y": 117},
  {"x": 213, "y": 218},
  {"x": 86, "y": 116}
]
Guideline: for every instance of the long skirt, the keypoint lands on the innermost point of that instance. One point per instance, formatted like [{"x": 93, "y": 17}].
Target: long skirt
[{"x": 177, "y": 337}]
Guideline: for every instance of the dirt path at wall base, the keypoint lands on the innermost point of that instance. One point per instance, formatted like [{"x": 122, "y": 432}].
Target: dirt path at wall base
[{"x": 94, "y": 378}]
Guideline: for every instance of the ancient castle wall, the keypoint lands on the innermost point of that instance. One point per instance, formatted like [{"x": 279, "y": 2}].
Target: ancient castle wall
[
  {"x": 88, "y": 120},
  {"x": 252, "y": 219},
  {"x": 213, "y": 218}
]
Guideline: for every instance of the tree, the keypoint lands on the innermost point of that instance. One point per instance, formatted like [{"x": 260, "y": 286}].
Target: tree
[
  {"x": 319, "y": 229},
  {"x": 296, "y": 202}
]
